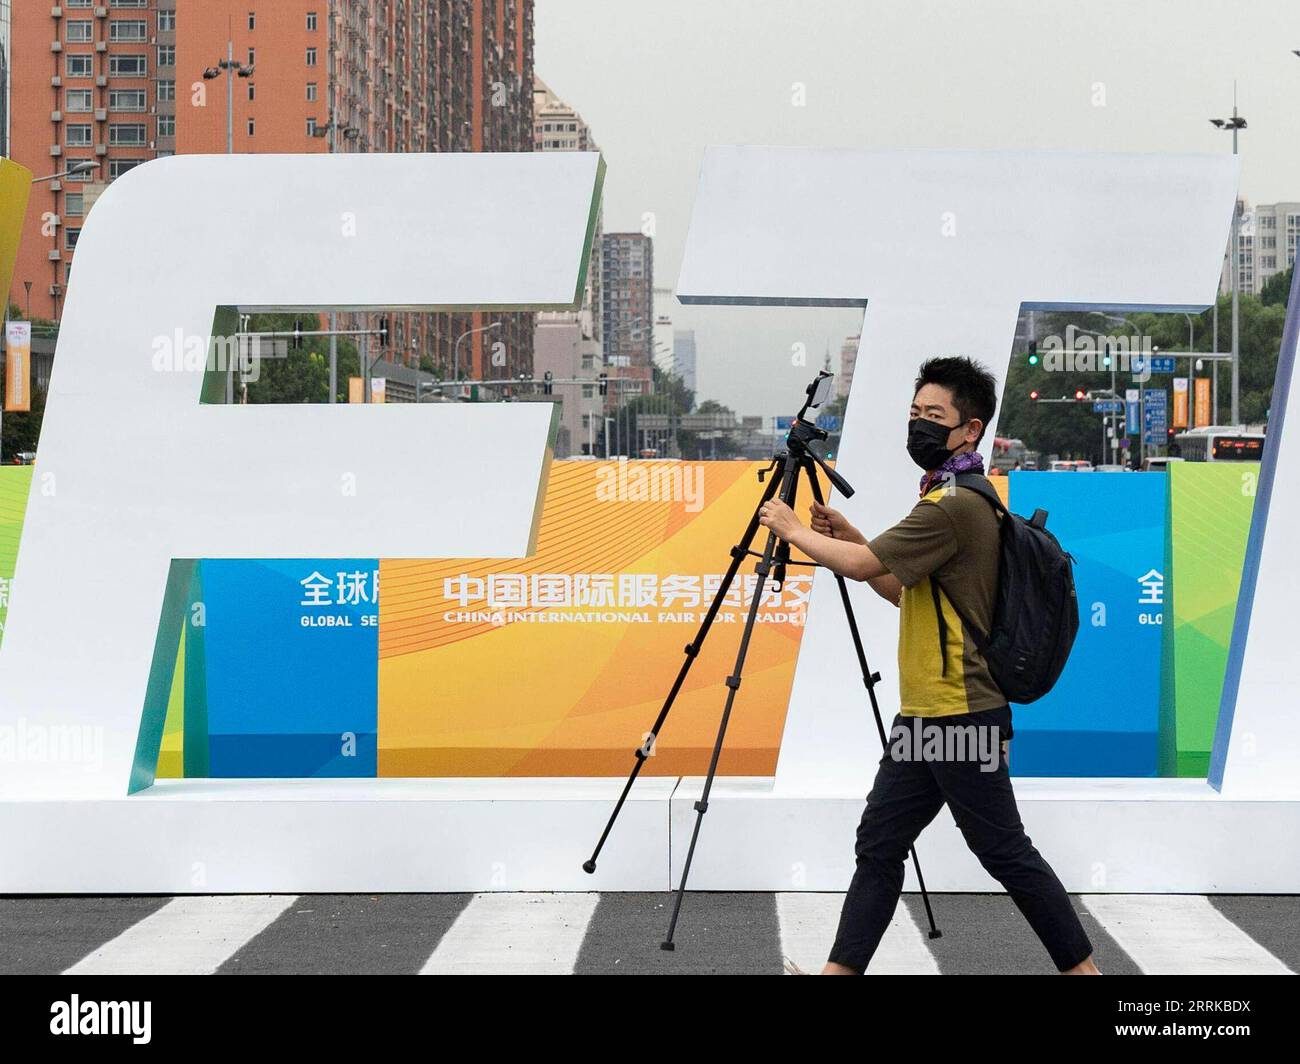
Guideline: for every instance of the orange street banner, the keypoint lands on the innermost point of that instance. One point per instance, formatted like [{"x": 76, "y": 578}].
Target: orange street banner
[
  {"x": 1180, "y": 403},
  {"x": 1201, "y": 405},
  {"x": 357, "y": 393},
  {"x": 557, "y": 664},
  {"x": 18, "y": 366}
]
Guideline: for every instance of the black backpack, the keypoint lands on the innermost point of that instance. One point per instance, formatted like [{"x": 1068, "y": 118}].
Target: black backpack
[{"x": 1036, "y": 614}]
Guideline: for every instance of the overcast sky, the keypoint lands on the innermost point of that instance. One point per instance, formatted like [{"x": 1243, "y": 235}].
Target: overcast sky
[{"x": 658, "y": 80}]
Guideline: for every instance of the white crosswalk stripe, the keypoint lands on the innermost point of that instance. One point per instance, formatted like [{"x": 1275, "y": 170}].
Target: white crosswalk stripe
[
  {"x": 527, "y": 934},
  {"x": 808, "y": 923},
  {"x": 1177, "y": 934},
  {"x": 192, "y": 935}
]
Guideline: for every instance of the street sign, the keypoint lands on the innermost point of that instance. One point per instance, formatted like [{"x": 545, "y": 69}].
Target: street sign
[
  {"x": 1155, "y": 420},
  {"x": 1131, "y": 426},
  {"x": 1162, "y": 364},
  {"x": 1108, "y": 406}
]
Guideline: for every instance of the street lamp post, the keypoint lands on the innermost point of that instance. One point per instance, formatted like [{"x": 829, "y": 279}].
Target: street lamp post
[
  {"x": 455, "y": 373},
  {"x": 1236, "y": 123},
  {"x": 76, "y": 168}
]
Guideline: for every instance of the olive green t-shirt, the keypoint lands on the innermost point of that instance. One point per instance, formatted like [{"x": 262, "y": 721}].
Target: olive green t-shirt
[{"x": 952, "y": 533}]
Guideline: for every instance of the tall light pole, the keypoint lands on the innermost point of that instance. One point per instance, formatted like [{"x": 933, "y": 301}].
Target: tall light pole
[
  {"x": 1235, "y": 123},
  {"x": 232, "y": 69}
]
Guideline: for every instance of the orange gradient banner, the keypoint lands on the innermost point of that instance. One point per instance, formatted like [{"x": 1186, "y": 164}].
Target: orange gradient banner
[{"x": 557, "y": 664}]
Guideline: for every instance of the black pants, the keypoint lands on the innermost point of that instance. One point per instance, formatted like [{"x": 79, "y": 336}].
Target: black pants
[{"x": 906, "y": 796}]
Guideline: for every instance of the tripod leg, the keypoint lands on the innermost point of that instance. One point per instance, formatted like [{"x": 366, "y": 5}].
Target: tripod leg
[
  {"x": 738, "y": 554},
  {"x": 789, "y": 485},
  {"x": 870, "y": 679}
]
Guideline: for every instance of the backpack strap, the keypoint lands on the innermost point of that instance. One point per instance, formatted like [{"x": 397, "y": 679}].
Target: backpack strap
[
  {"x": 979, "y": 483},
  {"x": 981, "y": 639}
]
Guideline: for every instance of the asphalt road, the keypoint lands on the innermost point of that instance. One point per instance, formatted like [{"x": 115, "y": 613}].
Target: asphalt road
[{"x": 744, "y": 933}]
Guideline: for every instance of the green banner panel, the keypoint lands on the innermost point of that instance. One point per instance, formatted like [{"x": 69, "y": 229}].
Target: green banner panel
[{"x": 1210, "y": 504}]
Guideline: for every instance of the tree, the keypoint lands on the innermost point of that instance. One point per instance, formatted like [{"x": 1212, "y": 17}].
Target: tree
[
  {"x": 723, "y": 446},
  {"x": 1071, "y": 430},
  {"x": 303, "y": 376},
  {"x": 1276, "y": 288},
  {"x": 22, "y": 431}
]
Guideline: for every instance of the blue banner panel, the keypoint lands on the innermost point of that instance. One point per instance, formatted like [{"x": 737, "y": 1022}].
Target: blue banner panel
[
  {"x": 1102, "y": 718},
  {"x": 291, "y": 667}
]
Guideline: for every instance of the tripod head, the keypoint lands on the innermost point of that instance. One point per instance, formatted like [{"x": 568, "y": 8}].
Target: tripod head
[{"x": 804, "y": 433}]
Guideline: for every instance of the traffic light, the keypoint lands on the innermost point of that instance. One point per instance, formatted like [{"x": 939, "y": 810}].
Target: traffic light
[
  {"x": 604, "y": 383},
  {"x": 1033, "y": 352},
  {"x": 383, "y": 332},
  {"x": 1033, "y": 394},
  {"x": 297, "y": 334},
  {"x": 547, "y": 387},
  {"x": 1080, "y": 394},
  {"x": 1105, "y": 356}
]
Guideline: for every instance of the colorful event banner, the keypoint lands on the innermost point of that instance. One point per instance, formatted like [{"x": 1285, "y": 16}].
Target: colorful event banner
[
  {"x": 1103, "y": 716},
  {"x": 557, "y": 664},
  {"x": 1210, "y": 505}
]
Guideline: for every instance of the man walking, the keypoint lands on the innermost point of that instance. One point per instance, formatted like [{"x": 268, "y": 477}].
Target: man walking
[{"x": 939, "y": 564}]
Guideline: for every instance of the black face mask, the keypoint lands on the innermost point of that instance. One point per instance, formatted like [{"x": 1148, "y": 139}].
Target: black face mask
[{"x": 927, "y": 442}]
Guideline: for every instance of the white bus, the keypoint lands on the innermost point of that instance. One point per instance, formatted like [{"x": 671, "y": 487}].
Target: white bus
[{"x": 1217, "y": 443}]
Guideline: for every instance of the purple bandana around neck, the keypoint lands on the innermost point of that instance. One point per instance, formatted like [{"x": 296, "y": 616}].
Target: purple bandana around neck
[{"x": 967, "y": 462}]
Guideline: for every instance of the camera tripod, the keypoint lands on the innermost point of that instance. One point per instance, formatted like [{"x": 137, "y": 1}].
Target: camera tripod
[{"x": 797, "y": 459}]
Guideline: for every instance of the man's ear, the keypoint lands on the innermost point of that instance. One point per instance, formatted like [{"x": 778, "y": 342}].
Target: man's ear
[{"x": 975, "y": 430}]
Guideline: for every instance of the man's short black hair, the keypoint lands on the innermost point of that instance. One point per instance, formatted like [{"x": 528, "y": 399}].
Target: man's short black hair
[{"x": 974, "y": 389}]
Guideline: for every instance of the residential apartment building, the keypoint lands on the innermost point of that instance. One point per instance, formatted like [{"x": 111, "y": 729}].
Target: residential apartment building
[
  {"x": 1267, "y": 238},
  {"x": 558, "y": 127},
  {"x": 627, "y": 314},
  {"x": 564, "y": 349},
  {"x": 127, "y": 81}
]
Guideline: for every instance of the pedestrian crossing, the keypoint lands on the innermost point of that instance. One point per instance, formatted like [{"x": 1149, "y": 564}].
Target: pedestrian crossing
[
  {"x": 620, "y": 933},
  {"x": 1181, "y": 935}
]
